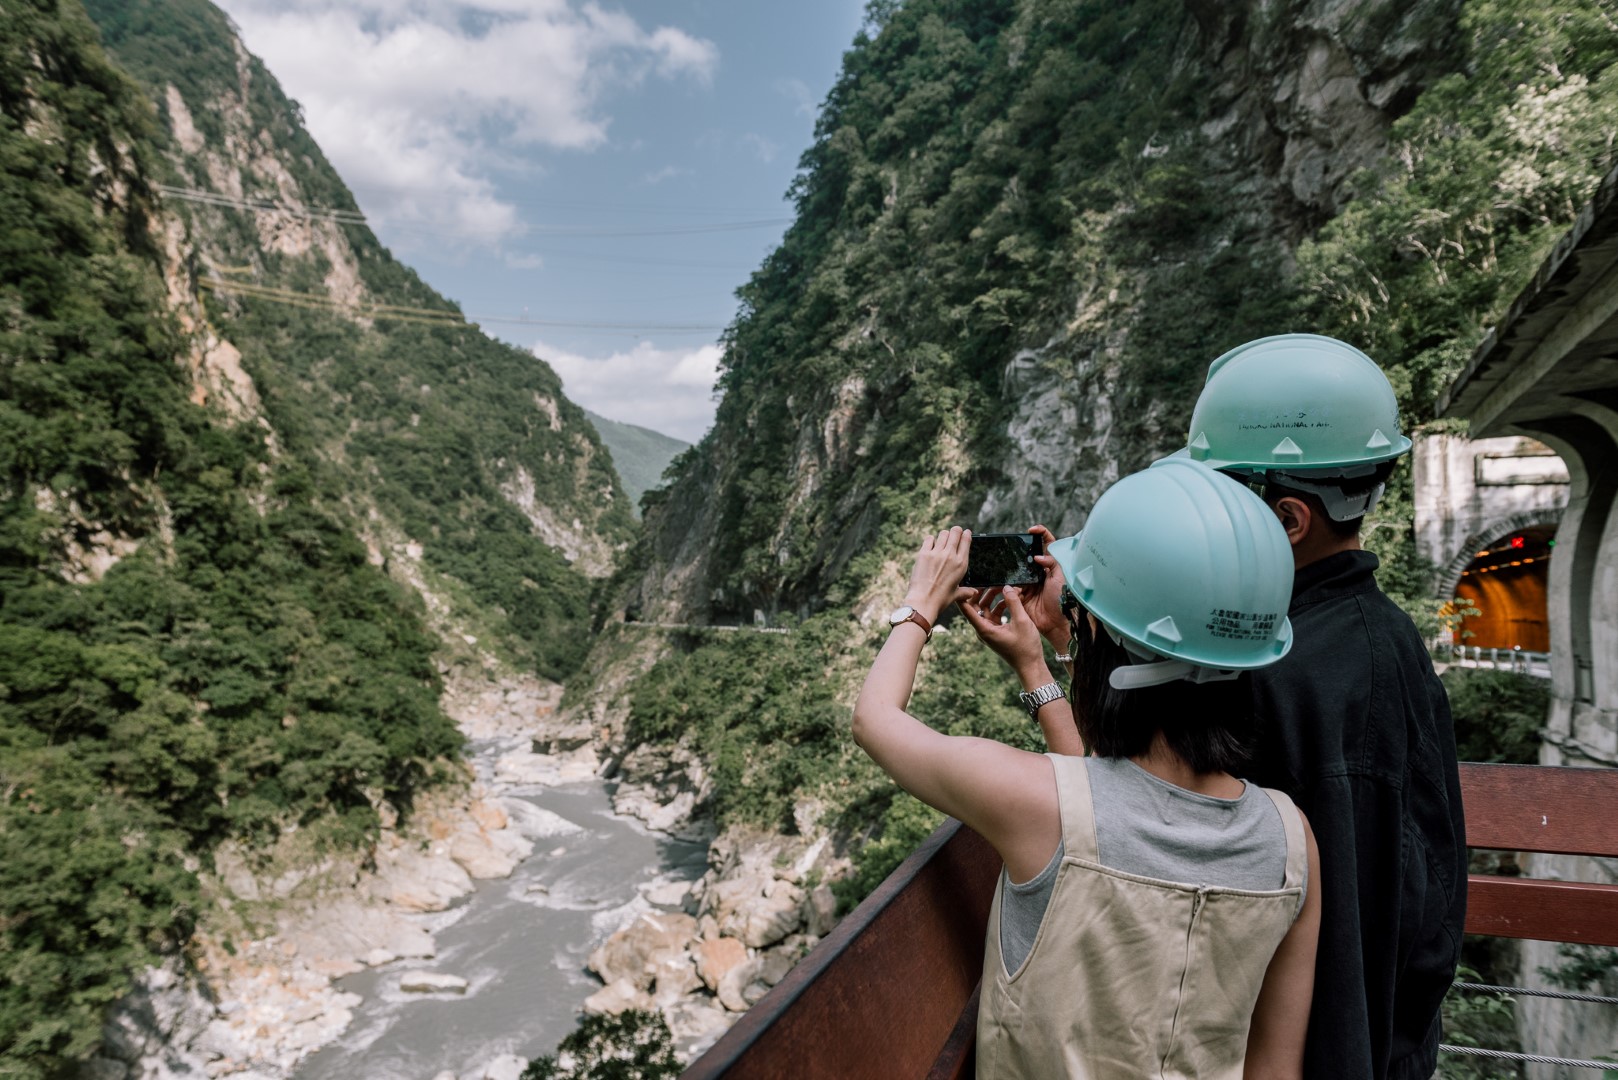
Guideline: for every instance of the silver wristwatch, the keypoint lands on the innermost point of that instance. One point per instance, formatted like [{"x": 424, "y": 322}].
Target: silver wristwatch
[{"x": 1034, "y": 700}]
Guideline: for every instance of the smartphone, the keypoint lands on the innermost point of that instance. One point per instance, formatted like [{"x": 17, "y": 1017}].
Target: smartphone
[{"x": 1004, "y": 559}]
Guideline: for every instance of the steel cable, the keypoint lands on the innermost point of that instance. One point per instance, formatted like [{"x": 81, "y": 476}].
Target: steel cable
[
  {"x": 1537, "y": 1059},
  {"x": 1598, "y": 999}
]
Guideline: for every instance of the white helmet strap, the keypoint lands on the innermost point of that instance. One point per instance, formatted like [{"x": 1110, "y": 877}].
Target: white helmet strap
[
  {"x": 1150, "y": 670},
  {"x": 1339, "y": 505}
]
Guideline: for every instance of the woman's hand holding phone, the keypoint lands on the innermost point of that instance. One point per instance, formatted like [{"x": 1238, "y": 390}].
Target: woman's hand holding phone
[
  {"x": 1002, "y": 622},
  {"x": 1044, "y": 602}
]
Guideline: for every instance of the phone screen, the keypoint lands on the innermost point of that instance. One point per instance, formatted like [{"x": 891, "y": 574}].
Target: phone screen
[{"x": 1003, "y": 559}]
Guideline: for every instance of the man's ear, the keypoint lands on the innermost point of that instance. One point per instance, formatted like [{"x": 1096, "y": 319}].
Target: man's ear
[{"x": 1296, "y": 518}]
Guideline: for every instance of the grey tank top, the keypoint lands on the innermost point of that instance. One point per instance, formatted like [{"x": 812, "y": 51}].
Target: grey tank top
[{"x": 1153, "y": 828}]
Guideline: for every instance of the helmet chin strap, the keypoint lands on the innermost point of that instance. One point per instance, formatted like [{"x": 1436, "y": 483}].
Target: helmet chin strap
[
  {"x": 1135, "y": 676},
  {"x": 1149, "y": 669},
  {"x": 1341, "y": 506}
]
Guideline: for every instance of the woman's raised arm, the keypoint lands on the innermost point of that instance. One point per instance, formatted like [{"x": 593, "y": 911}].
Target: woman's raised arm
[{"x": 1007, "y": 795}]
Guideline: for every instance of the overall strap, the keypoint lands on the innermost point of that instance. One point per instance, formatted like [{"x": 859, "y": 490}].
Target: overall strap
[
  {"x": 1297, "y": 848},
  {"x": 1077, "y": 807}
]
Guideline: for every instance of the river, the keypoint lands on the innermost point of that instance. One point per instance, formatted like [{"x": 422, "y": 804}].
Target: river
[{"x": 521, "y": 944}]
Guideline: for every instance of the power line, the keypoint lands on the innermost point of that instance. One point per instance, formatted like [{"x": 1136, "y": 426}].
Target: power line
[
  {"x": 213, "y": 198},
  {"x": 429, "y": 316}
]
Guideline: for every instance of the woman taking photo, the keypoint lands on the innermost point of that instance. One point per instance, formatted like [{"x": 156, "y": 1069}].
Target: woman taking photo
[{"x": 1156, "y": 916}]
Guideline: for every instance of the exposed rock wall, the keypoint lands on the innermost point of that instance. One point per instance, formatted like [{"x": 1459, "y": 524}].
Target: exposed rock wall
[
  {"x": 1302, "y": 97},
  {"x": 1297, "y": 97}
]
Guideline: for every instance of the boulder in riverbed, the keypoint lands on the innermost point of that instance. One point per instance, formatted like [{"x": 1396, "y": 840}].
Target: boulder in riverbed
[
  {"x": 616, "y": 997},
  {"x": 757, "y": 908},
  {"x": 634, "y": 952},
  {"x": 696, "y": 1024},
  {"x": 715, "y": 958},
  {"x": 673, "y": 976}
]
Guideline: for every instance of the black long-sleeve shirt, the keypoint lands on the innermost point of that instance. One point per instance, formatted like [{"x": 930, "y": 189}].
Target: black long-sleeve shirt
[{"x": 1355, "y": 726}]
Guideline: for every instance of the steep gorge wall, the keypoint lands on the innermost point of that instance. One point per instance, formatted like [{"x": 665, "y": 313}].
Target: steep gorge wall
[
  {"x": 243, "y": 543},
  {"x": 1023, "y": 232},
  {"x": 443, "y": 446}
]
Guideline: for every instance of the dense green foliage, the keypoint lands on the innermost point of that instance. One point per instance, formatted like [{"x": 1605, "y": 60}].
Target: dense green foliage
[
  {"x": 634, "y": 1045},
  {"x": 1498, "y": 715},
  {"x": 240, "y": 668},
  {"x": 770, "y": 721},
  {"x": 440, "y": 428},
  {"x": 980, "y": 172}
]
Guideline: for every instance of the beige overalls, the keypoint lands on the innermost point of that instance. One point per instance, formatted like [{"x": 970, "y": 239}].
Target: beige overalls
[{"x": 1131, "y": 976}]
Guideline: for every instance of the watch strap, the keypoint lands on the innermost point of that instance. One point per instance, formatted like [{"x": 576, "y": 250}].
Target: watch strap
[
  {"x": 920, "y": 620},
  {"x": 1037, "y": 698}
]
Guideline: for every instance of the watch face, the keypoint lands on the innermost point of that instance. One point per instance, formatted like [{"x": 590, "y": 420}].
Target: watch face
[{"x": 901, "y": 614}]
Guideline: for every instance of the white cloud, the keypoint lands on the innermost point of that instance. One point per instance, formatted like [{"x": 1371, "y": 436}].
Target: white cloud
[
  {"x": 667, "y": 390},
  {"x": 408, "y": 98},
  {"x": 667, "y": 172},
  {"x": 764, "y": 148},
  {"x": 797, "y": 92}
]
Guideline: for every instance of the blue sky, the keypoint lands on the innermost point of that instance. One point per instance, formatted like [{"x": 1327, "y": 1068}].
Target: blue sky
[{"x": 571, "y": 163}]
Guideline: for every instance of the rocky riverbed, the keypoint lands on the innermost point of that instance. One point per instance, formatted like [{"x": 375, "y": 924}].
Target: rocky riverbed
[
  {"x": 258, "y": 989},
  {"x": 316, "y": 966},
  {"x": 760, "y": 906}
]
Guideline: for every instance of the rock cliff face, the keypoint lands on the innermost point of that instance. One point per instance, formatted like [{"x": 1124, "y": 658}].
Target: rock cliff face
[
  {"x": 1300, "y": 99},
  {"x": 285, "y": 298},
  {"x": 1279, "y": 105}
]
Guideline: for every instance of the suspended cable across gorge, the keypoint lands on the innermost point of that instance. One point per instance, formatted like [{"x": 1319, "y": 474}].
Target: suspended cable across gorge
[{"x": 429, "y": 316}]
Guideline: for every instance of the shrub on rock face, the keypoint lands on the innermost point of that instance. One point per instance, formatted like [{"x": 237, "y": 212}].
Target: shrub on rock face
[{"x": 634, "y": 1045}]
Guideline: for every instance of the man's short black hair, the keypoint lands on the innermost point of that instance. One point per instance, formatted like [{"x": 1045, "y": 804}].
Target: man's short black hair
[{"x": 1210, "y": 725}]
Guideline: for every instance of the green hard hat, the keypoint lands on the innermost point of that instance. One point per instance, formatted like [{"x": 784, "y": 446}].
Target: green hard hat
[
  {"x": 1186, "y": 565},
  {"x": 1295, "y": 401}
]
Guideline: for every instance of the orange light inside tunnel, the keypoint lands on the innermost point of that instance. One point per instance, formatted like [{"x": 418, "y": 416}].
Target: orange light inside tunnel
[{"x": 1509, "y": 596}]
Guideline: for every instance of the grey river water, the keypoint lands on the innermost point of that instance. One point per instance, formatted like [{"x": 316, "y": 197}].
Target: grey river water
[{"x": 520, "y": 943}]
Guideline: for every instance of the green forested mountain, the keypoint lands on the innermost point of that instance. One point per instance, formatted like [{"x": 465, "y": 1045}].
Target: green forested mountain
[
  {"x": 639, "y": 454},
  {"x": 210, "y": 500},
  {"x": 435, "y": 435},
  {"x": 1023, "y": 231},
  {"x": 232, "y": 427}
]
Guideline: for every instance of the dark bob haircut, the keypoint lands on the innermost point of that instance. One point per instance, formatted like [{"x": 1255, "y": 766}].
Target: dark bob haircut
[{"x": 1210, "y": 725}]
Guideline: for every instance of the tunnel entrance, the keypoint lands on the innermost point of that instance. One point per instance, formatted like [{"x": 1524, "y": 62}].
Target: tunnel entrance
[{"x": 1507, "y": 583}]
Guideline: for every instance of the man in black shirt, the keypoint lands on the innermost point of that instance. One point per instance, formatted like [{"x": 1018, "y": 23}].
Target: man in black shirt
[{"x": 1353, "y": 724}]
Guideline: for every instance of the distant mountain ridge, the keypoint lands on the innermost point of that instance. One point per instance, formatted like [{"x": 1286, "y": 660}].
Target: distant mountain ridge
[{"x": 639, "y": 454}]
